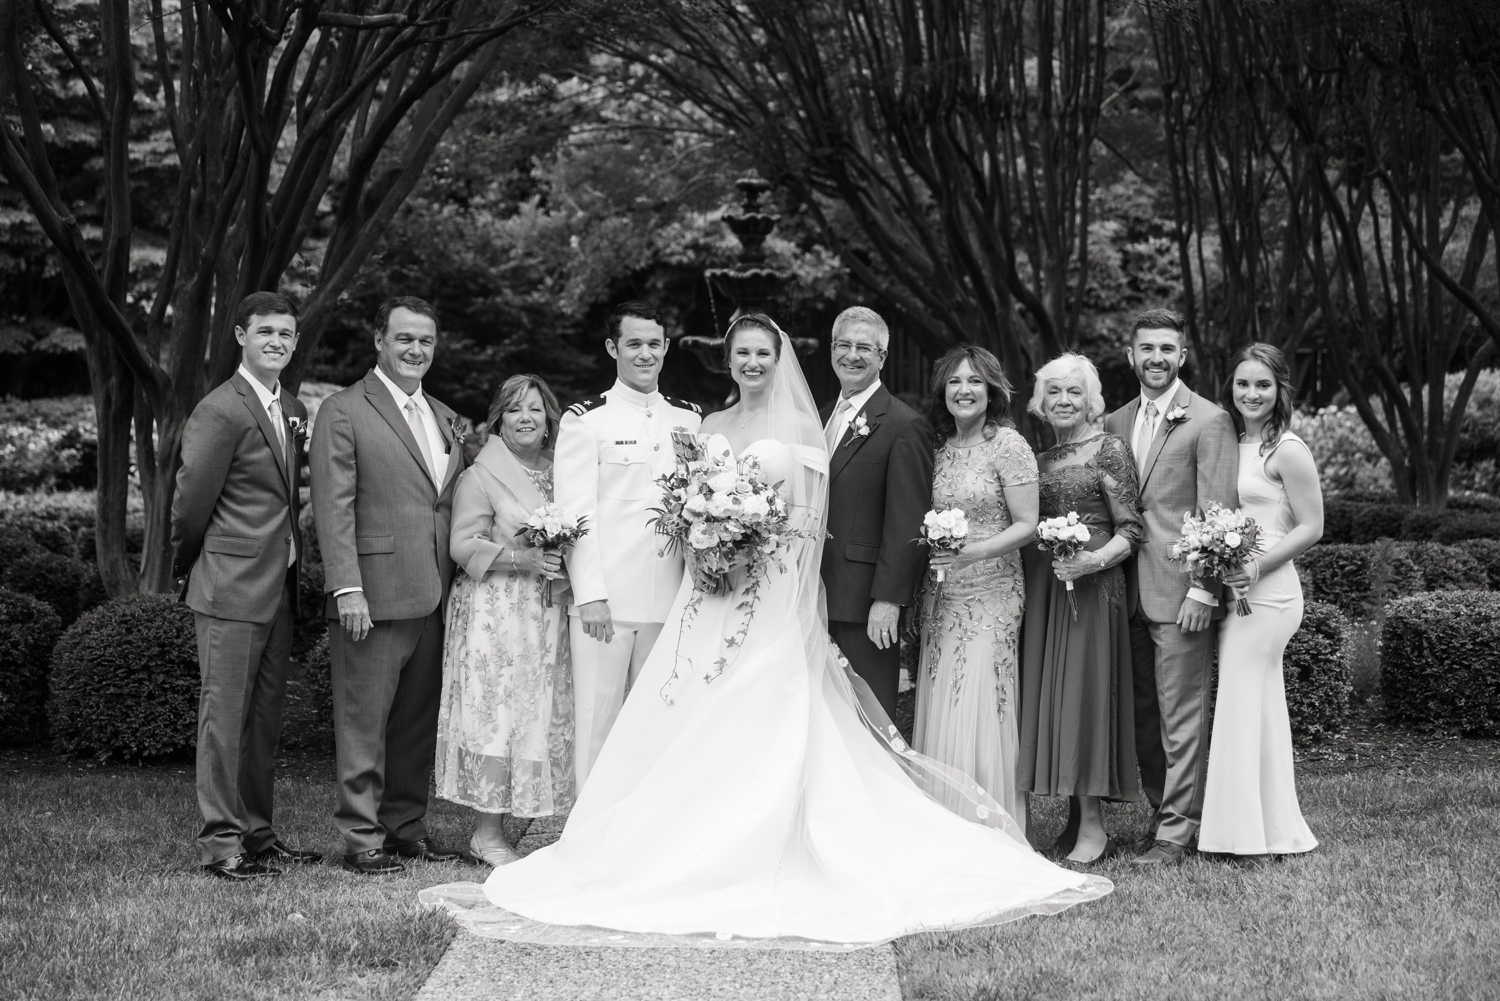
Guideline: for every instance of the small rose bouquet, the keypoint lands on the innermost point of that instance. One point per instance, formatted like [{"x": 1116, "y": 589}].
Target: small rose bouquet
[
  {"x": 1064, "y": 537},
  {"x": 1216, "y": 545},
  {"x": 945, "y": 532},
  {"x": 554, "y": 529}
]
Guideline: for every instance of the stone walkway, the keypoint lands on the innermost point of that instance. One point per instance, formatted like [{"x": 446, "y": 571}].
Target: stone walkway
[{"x": 486, "y": 969}]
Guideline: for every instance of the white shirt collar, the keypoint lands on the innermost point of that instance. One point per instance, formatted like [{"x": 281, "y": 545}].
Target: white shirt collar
[
  {"x": 858, "y": 400},
  {"x": 401, "y": 395},
  {"x": 620, "y": 391},
  {"x": 1164, "y": 401},
  {"x": 265, "y": 395}
]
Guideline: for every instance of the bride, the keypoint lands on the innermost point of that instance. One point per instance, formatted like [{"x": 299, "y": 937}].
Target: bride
[{"x": 754, "y": 789}]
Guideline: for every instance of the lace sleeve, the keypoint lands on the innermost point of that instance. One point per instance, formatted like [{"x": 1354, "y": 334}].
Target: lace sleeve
[
  {"x": 1014, "y": 460},
  {"x": 1118, "y": 478}
]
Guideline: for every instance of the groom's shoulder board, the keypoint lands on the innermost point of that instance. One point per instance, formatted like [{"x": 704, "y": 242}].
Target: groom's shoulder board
[
  {"x": 585, "y": 405},
  {"x": 672, "y": 401}
]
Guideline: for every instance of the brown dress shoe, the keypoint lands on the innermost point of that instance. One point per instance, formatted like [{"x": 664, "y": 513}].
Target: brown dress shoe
[
  {"x": 1161, "y": 853},
  {"x": 239, "y": 868},
  {"x": 375, "y": 862}
]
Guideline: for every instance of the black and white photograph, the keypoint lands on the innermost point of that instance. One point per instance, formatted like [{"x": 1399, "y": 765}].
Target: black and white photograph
[{"x": 760, "y": 500}]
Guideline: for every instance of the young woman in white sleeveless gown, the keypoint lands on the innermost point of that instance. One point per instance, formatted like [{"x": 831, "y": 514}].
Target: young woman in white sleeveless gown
[
  {"x": 1250, "y": 804},
  {"x": 748, "y": 793}
]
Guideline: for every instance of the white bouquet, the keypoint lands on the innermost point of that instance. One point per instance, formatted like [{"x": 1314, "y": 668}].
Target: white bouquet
[
  {"x": 1064, "y": 537},
  {"x": 554, "y": 529},
  {"x": 945, "y": 531}
]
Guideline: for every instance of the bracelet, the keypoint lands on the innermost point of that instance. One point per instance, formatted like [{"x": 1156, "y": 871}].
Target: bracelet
[{"x": 1256, "y": 564}]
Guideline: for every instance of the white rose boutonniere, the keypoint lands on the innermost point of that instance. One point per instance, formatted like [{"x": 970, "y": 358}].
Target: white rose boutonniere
[
  {"x": 299, "y": 428},
  {"x": 1175, "y": 415},
  {"x": 862, "y": 428}
]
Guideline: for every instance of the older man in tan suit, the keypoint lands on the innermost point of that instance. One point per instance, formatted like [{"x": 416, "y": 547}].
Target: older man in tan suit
[
  {"x": 235, "y": 539},
  {"x": 385, "y": 457},
  {"x": 1187, "y": 456}
]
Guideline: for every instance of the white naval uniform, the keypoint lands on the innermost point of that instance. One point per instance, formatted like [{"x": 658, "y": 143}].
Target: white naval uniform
[{"x": 610, "y": 450}]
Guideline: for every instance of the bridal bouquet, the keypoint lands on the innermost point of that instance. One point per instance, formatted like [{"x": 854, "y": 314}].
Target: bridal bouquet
[
  {"x": 945, "y": 532},
  {"x": 722, "y": 514},
  {"x": 1064, "y": 537},
  {"x": 554, "y": 529},
  {"x": 1217, "y": 544}
]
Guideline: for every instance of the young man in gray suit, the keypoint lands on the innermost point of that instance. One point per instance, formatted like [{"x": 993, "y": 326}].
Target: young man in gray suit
[
  {"x": 1187, "y": 456},
  {"x": 384, "y": 460},
  {"x": 235, "y": 539}
]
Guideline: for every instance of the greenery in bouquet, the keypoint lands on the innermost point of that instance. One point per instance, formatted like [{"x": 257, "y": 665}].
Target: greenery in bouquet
[
  {"x": 723, "y": 515},
  {"x": 1216, "y": 545},
  {"x": 1063, "y": 537}
]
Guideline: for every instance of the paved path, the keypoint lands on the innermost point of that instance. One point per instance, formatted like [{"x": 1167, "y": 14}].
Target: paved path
[{"x": 487, "y": 969}]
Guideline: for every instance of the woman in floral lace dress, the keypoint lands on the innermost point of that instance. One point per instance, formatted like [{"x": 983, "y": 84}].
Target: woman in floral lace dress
[
  {"x": 966, "y": 684},
  {"x": 1077, "y": 722},
  {"x": 505, "y": 727}
]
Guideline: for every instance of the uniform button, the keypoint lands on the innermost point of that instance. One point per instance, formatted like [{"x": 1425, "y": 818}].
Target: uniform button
[
  {"x": 656, "y": 448},
  {"x": 648, "y": 413}
]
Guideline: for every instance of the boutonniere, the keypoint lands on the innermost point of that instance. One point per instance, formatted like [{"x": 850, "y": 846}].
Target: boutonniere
[
  {"x": 299, "y": 428},
  {"x": 459, "y": 428},
  {"x": 862, "y": 428},
  {"x": 1175, "y": 415}
]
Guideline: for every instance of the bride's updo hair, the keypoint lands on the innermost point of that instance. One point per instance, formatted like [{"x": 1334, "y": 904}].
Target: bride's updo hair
[{"x": 751, "y": 321}]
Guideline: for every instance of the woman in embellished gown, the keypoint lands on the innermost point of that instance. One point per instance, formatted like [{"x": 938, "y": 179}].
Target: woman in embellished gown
[
  {"x": 505, "y": 721},
  {"x": 1250, "y": 808},
  {"x": 750, "y": 790},
  {"x": 966, "y": 680},
  {"x": 1077, "y": 716}
]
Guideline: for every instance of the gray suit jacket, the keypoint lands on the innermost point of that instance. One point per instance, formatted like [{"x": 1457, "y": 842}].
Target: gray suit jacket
[
  {"x": 382, "y": 523},
  {"x": 234, "y": 514},
  {"x": 1192, "y": 462}
]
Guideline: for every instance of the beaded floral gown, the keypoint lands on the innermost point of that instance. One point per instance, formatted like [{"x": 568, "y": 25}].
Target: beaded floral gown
[
  {"x": 1077, "y": 710},
  {"x": 966, "y": 684},
  {"x": 505, "y": 722}
]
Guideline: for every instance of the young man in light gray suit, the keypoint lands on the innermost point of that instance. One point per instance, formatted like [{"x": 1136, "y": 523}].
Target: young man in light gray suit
[
  {"x": 235, "y": 539},
  {"x": 1187, "y": 456},
  {"x": 385, "y": 457}
]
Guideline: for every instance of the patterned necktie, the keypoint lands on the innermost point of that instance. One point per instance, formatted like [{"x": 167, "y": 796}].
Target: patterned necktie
[
  {"x": 835, "y": 428},
  {"x": 414, "y": 421},
  {"x": 1148, "y": 431}
]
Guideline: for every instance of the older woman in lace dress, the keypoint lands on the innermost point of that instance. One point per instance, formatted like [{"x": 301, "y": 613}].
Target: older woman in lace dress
[
  {"x": 1077, "y": 721},
  {"x": 505, "y": 727},
  {"x": 966, "y": 682}
]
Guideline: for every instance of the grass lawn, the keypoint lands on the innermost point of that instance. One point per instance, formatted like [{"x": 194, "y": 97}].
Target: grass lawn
[{"x": 100, "y": 897}]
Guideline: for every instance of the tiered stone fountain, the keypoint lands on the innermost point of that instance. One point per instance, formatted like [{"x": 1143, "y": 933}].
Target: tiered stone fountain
[{"x": 748, "y": 286}]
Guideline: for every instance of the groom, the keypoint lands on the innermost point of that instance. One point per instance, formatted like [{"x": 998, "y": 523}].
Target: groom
[
  {"x": 1187, "y": 457},
  {"x": 880, "y": 486},
  {"x": 610, "y": 449}
]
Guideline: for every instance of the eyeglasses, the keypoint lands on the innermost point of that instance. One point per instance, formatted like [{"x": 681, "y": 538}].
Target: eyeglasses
[{"x": 844, "y": 347}]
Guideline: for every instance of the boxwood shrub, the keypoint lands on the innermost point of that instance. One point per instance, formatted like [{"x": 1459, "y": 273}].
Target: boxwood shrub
[
  {"x": 1440, "y": 669},
  {"x": 1445, "y": 568},
  {"x": 1457, "y": 526},
  {"x": 1315, "y": 669},
  {"x": 57, "y": 580},
  {"x": 307, "y": 722},
  {"x": 125, "y": 680},
  {"x": 1487, "y": 553},
  {"x": 28, "y": 630},
  {"x": 1358, "y": 579},
  {"x": 1348, "y": 520}
]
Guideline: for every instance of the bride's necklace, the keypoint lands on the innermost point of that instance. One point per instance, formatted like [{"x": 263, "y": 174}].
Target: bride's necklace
[{"x": 748, "y": 414}]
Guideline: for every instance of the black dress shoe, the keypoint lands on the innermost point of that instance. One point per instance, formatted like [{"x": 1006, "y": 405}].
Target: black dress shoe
[
  {"x": 1162, "y": 853},
  {"x": 375, "y": 862},
  {"x": 425, "y": 850},
  {"x": 1068, "y": 839},
  {"x": 278, "y": 852},
  {"x": 240, "y": 868}
]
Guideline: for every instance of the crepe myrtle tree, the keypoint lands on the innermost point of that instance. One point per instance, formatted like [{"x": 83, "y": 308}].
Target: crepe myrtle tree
[{"x": 299, "y": 128}]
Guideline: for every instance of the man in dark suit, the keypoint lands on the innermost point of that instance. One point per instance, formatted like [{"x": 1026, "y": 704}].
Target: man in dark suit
[
  {"x": 880, "y": 486},
  {"x": 385, "y": 457},
  {"x": 235, "y": 537}
]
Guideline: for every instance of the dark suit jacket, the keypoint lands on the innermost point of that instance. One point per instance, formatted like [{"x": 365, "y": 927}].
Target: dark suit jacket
[
  {"x": 382, "y": 523},
  {"x": 879, "y": 488},
  {"x": 234, "y": 514},
  {"x": 1191, "y": 463}
]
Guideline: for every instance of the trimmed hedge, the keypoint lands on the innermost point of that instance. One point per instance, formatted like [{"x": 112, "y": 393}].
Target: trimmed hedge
[
  {"x": 1440, "y": 669},
  {"x": 125, "y": 680},
  {"x": 1353, "y": 521},
  {"x": 307, "y": 722},
  {"x": 1445, "y": 568},
  {"x": 1357, "y": 579},
  {"x": 28, "y": 630},
  {"x": 1486, "y": 552},
  {"x": 1315, "y": 669},
  {"x": 57, "y": 580}
]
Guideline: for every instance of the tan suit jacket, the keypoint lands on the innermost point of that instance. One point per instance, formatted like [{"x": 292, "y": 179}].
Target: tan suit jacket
[
  {"x": 382, "y": 522},
  {"x": 1191, "y": 462},
  {"x": 234, "y": 515}
]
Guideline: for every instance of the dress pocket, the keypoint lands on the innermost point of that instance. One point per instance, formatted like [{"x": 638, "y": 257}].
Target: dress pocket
[{"x": 859, "y": 553}]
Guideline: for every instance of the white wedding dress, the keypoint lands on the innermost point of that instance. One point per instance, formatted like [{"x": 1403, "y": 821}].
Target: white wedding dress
[{"x": 760, "y": 807}]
